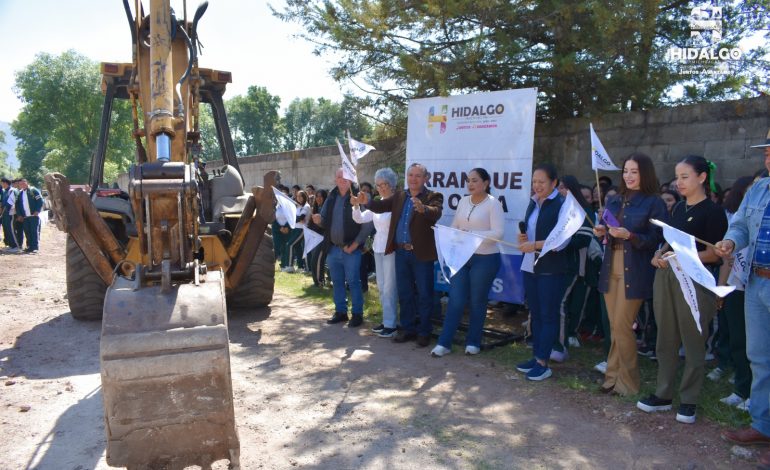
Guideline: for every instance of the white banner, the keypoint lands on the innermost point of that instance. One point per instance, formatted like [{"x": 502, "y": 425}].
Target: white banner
[
  {"x": 600, "y": 159},
  {"x": 287, "y": 207},
  {"x": 571, "y": 217},
  {"x": 312, "y": 239},
  {"x": 688, "y": 288},
  {"x": 454, "y": 247},
  {"x": 492, "y": 130},
  {"x": 683, "y": 245},
  {"x": 348, "y": 169},
  {"x": 358, "y": 150}
]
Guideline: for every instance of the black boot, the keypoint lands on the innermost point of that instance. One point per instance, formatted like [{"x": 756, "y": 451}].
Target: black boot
[{"x": 338, "y": 317}]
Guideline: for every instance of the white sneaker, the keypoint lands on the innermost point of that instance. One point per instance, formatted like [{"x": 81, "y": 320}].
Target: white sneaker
[
  {"x": 440, "y": 351},
  {"x": 13, "y": 251},
  {"x": 472, "y": 350},
  {"x": 716, "y": 374},
  {"x": 732, "y": 399},
  {"x": 745, "y": 405},
  {"x": 289, "y": 269},
  {"x": 559, "y": 356},
  {"x": 601, "y": 367},
  {"x": 573, "y": 342}
]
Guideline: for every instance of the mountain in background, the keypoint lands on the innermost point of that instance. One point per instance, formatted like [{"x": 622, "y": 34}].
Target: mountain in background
[{"x": 10, "y": 145}]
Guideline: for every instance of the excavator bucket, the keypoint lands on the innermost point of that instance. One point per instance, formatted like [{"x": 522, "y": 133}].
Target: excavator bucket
[{"x": 166, "y": 374}]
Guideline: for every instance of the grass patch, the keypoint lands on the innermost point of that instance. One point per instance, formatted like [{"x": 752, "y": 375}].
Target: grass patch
[
  {"x": 300, "y": 285},
  {"x": 576, "y": 373}
]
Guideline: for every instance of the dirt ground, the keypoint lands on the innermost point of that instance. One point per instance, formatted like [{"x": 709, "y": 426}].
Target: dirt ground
[{"x": 308, "y": 395}]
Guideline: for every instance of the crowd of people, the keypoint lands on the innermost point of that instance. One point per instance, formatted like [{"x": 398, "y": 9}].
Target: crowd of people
[
  {"x": 611, "y": 281},
  {"x": 20, "y": 207}
]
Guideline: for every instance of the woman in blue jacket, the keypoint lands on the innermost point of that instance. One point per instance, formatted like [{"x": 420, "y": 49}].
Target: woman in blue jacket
[
  {"x": 630, "y": 249},
  {"x": 546, "y": 282}
]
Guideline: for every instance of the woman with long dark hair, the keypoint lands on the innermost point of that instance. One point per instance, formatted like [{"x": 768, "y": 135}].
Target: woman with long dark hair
[
  {"x": 481, "y": 213},
  {"x": 696, "y": 215},
  {"x": 631, "y": 246},
  {"x": 546, "y": 281}
]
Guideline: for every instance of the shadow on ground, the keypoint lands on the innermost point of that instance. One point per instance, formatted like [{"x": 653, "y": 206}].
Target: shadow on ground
[
  {"x": 345, "y": 398},
  {"x": 59, "y": 347}
]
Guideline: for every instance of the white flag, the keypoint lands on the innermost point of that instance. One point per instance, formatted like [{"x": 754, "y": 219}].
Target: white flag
[
  {"x": 600, "y": 160},
  {"x": 454, "y": 247},
  {"x": 287, "y": 207},
  {"x": 312, "y": 239},
  {"x": 687, "y": 254},
  {"x": 739, "y": 274},
  {"x": 688, "y": 288},
  {"x": 348, "y": 168},
  {"x": 571, "y": 217},
  {"x": 358, "y": 150}
]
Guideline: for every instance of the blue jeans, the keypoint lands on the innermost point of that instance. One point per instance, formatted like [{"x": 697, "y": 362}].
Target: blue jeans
[
  {"x": 544, "y": 293},
  {"x": 758, "y": 350},
  {"x": 414, "y": 279},
  {"x": 385, "y": 266},
  {"x": 469, "y": 286},
  {"x": 344, "y": 268}
]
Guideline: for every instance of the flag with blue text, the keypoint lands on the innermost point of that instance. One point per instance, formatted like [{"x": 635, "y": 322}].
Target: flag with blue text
[
  {"x": 348, "y": 168},
  {"x": 600, "y": 159},
  {"x": 571, "y": 217},
  {"x": 358, "y": 150}
]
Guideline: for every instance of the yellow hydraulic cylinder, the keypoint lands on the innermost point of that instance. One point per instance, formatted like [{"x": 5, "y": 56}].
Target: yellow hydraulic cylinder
[{"x": 161, "y": 78}]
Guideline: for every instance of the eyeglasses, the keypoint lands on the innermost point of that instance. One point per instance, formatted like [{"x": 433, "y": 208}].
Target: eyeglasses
[{"x": 382, "y": 185}]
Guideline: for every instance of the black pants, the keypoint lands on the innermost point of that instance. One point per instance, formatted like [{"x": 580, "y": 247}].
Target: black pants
[{"x": 317, "y": 264}]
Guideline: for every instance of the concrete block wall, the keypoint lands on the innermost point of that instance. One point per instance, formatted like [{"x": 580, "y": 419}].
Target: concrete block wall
[
  {"x": 318, "y": 165},
  {"x": 722, "y": 132}
]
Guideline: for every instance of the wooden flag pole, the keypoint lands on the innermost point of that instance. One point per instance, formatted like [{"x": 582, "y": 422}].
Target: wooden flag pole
[{"x": 598, "y": 189}]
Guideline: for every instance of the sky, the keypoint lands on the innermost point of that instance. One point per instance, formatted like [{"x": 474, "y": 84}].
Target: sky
[{"x": 240, "y": 36}]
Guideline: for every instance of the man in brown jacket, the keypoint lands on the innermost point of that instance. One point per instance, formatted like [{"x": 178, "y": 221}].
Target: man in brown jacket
[{"x": 415, "y": 210}]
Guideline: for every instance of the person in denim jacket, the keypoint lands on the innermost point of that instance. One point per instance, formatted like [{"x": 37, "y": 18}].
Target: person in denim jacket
[
  {"x": 630, "y": 248},
  {"x": 750, "y": 227}
]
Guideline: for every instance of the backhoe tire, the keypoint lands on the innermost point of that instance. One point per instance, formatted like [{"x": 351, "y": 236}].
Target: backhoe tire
[
  {"x": 85, "y": 289},
  {"x": 257, "y": 285}
]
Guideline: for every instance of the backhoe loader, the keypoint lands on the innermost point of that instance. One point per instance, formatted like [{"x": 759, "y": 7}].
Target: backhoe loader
[{"x": 161, "y": 261}]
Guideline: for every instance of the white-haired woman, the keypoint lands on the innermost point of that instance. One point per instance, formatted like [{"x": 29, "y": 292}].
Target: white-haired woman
[{"x": 385, "y": 265}]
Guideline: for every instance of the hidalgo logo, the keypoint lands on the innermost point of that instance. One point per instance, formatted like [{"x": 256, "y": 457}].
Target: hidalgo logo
[
  {"x": 705, "y": 22},
  {"x": 440, "y": 119},
  {"x": 478, "y": 111}
]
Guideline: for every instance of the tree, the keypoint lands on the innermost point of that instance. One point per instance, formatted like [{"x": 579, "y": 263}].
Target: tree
[
  {"x": 314, "y": 123},
  {"x": 58, "y": 126},
  {"x": 209, "y": 142},
  {"x": 254, "y": 121},
  {"x": 585, "y": 58},
  {"x": 5, "y": 169}
]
